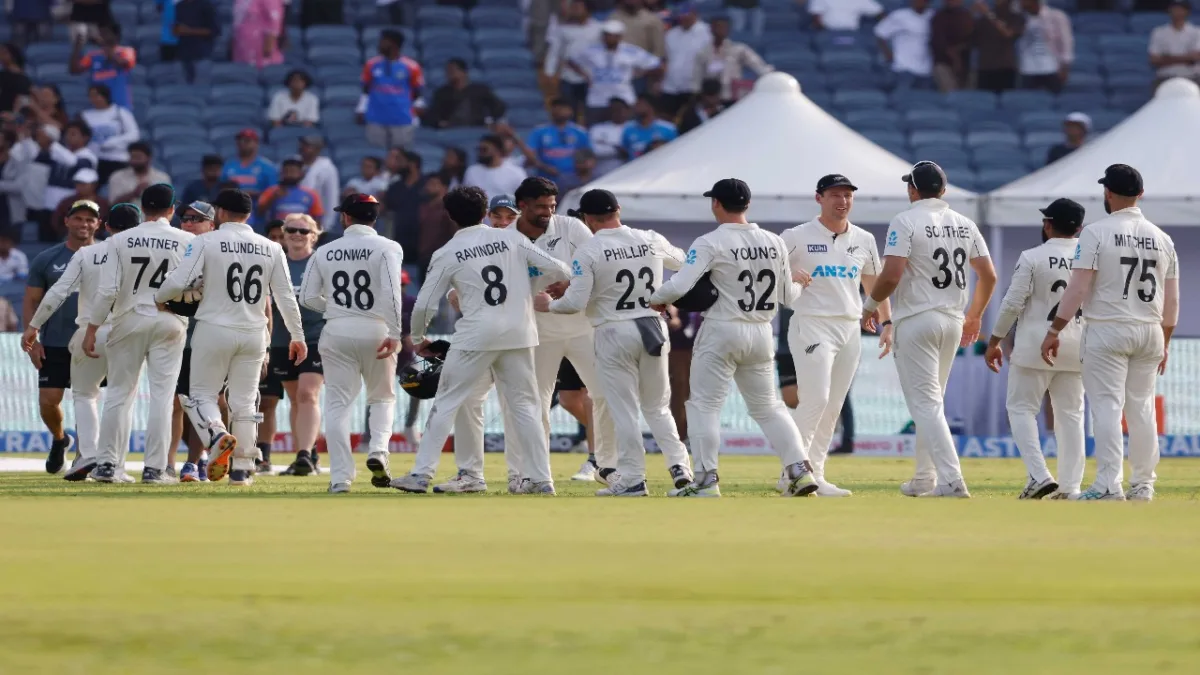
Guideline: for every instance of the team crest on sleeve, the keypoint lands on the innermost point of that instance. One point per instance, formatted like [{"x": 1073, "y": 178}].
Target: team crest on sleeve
[
  {"x": 893, "y": 238},
  {"x": 691, "y": 257},
  {"x": 1078, "y": 251},
  {"x": 187, "y": 252},
  {"x": 576, "y": 268},
  {"x": 534, "y": 272}
]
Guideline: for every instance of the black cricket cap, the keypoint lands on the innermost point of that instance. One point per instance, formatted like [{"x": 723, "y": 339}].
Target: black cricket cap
[
  {"x": 595, "y": 203},
  {"x": 235, "y": 201},
  {"x": 124, "y": 216},
  {"x": 1122, "y": 179},
  {"x": 1065, "y": 212},
  {"x": 158, "y": 197},
  {"x": 926, "y": 177},
  {"x": 363, "y": 208},
  {"x": 834, "y": 180},
  {"x": 730, "y": 192}
]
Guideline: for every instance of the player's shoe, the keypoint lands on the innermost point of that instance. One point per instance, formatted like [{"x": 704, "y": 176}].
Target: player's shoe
[
  {"x": 202, "y": 467},
  {"x": 263, "y": 467},
  {"x": 705, "y": 484},
  {"x": 302, "y": 466},
  {"x": 587, "y": 471},
  {"x": 316, "y": 462},
  {"x": 620, "y": 489},
  {"x": 157, "y": 477},
  {"x": 241, "y": 477},
  {"x": 955, "y": 490},
  {"x": 123, "y": 477},
  {"x": 1093, "y": 495},
  {"x": 58, "y": 454},
  {"x": 604, "y": 476},
  {"x": 411, "y": 483},
  {"x": 462, "y": 483},
  {"x": 339, "y": 488},
  {"x": 80, "y": 468},
  {"x": 190, "y": 473},
  {"x": 1060, "y": 494},
  {"x": 222, "y": 449},
  {"x": 1036, "y": 489},
  {"x": 378, "y": 466},
  {"x": 1140, "y": 493},
  {"x": 917, "y": 486},
  {"x": 170, "y": 471},
  {"x": 800, "y": 480},
  {"x": 680, "y": 476},
  {"x": 104, "y": 473},
  {"x": 539, "y": 488},
  {"x": 825, "y": 489},
  {"x": 514, "y": 484}
]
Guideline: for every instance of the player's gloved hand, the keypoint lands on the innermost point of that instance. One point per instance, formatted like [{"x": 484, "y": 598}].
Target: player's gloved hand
[
  {"x": 387, "y": 348},
  {"x": 1050, "y": 349},
  {"x": 89, "y": 342},
  {"x": 971, "y": 327},
  {"x": 541, "y": 302},
  {"x": 297, "y": 352},
  {"x": 885, "y": 341},
  {"x": 801, "y": 277},
  {"x": 994, "y": 358}
]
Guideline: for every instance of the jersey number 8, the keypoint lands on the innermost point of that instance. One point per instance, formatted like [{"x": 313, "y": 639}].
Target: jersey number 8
[
  {"x": 362, "y": 297},
  {"x": 494, "y": 292}
]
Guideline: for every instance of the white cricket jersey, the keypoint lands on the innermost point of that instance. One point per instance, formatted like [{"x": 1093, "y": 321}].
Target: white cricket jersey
[
  {"x": 939, "y": 244},
  {"x": 1132, "y": 259},
  {"x": 491, "y": 270},
  {"x": 560, "y": 240},
  {"x": 750, "y": 271},
  {"x": 83, "y": 272},
  {"x": 836, "y": 262},
  {"x": 1032, "y": 300},
  {"x": 239, "y": 270},
  {"x": 139, "y": 261},
  {"x": 615, "y": 273},
  {"x": 355, "y": 281}
]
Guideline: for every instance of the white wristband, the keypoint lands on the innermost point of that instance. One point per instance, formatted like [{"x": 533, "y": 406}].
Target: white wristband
[
  {"x": 1053, "y": 331},
  {"x": 870, "y": 305}
]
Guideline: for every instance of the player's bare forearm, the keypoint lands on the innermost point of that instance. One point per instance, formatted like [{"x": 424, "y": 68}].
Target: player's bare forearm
[
  {"x": 1078, "y": 288},
  {"x": 985, "y": 285},
  {"x": 869, "y": 282},
  {"x": 33, "y": 298}
]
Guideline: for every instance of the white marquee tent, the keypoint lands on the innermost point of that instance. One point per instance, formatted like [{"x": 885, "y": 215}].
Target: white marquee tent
[
  {"x": 1162, "y": 141},
  {"x": 780, "y": 143}
]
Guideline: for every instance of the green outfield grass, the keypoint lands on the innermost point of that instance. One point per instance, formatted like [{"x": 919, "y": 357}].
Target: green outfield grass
[{"x": 282, "y": 578}]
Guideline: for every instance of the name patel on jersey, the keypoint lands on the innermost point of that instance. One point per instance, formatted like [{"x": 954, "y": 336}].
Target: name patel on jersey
[
  {"x": 1057, "y": 263},
  {"x": 245, "y": 247},
  {"x": 152, "y": 242},
  {"x": 349, "y": 254},
  {"x": 755, "y": 253},
  {"x": 481, "y": 251},
  {"x": 1130, "y": 241},
  {"x": 938, "y": 231},
  {"x": 627, "y": 252}
]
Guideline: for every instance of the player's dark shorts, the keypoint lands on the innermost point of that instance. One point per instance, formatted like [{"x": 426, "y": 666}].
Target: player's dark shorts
[
  {"x": 568, "y": 379},
  {"x": 787, "y": 370},
  {"x": 55, "y": 372},
  {"x": 280, "y": 369},
  {"x": 184, "y": 384}
]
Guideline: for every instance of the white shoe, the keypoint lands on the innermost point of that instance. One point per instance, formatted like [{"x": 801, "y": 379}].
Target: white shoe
[
  {"x": 620, "y": 489},
  {"x": 123, "y": 477},
  {"x": 1140, "y": 493},
  {"x": 587, "y": 471},
  {"x": 1036, "y": 489},
  {"x": 782, "y": 483},
  {"x": 339, "y": 488},
  {"x": 1093, "y": 495},
  {"x": 542, "y": 488},
  {"x": 830, "y": 490},
  {"x": 917, "y": 487},
  {"x": 955, "y": 490},
  {"x": 1060, "y": 494},
  {"x": 461, "y": 484},
  {"x": 706, "y": 484},
  {"x": 514, "y": 484},
  {"x": 412, "y": 483}
]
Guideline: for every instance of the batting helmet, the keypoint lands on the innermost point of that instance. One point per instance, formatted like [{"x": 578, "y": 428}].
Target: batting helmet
[
  {"x": 701, "y": 297},
  {"x": 420, "y": 378}
]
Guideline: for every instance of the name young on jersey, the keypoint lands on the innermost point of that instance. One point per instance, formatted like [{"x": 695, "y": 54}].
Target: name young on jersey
[
  {"x": 754, "y": 253},
  {"x": 349, "y": 254},
  {"x": 245, "y": 247},
  {"x": 152, "y": 242},
  {"x": 481, "y": 251}
]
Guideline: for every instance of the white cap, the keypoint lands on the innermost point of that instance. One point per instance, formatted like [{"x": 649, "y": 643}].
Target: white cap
[
  {"x": 613, "y": 27},
  {"x": 1081, "y": 118},
  {"x": 86, "y": 176}
]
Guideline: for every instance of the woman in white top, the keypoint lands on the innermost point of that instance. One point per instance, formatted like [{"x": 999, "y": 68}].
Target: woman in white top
[
  {"x": 113, "y": 129},
  {"x": 296, "y": 105}
]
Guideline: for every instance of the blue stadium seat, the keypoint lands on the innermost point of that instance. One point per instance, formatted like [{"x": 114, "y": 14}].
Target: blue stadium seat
[
  {"x": 496, "y": 17},
  {"x": 1141, "y": 23},
  {"x": 145, "y": 32},
  {"x": 229, "y": 73},
  {"x": 348, "y": 131},
  {"x": 1042, "y": 120},
  {"x": 177, "y": 131},
  {"x": 273, "y": 75},
  {"x": 1036, "y": 139},
  {"x": 1006, "y": 138},
  {"x": 342, "y": 94},
  {"x": 439, "y": 15},
  {"x": 1086, "y": 82},
  {"x": 1000, "y": 124},
  {"x": 222, "y": 132},
  {"x": 811, "y": 81},
  {"x": 876, "y": 119},
  {"x": 177, "y": 93},
  {"x": 1099, "y": 22},
  {"x": 348, "y": 54},
  {"x": 338, "y": 73},
  {"x": 1123, "y": 44},
  {"x": 932, "y": 137},
  {"x": 998, "y": 157},
  {"x": 859, "y": 99},
  {"x": 838, "y": 40},
  {"x": 933, "y": 120},
  {"x": 965, "y": 100},
  {"x": 1035, "y": 156},
  {"x": 1128, "y": 100},
  {"x": 166, "y": 113},
  {"x": 885, "y": 137},
  {"x": 910, "y": 98},
  {"x": 290, "y": 134},
  {"x": 845, "y": 61},
  {"x": 241, "y": 93},
  {"x": 1129, "y": 82},
  {"x": 1024, "y": 99},
  {"x": 520, "y": 98},
  {"x": 527, "y": 117},
  {"x": 232, "y": 113},
  {"x": 125, "y": 14},
  {"x": 509, "y": 77},
  {"x": 330, "y": 35},
  {"x": 945, "y": 155},
  {"x": 506, "y": 58},
  {"x": 1103, "y": 120},
  {"x": 355, "y": 153},
  {"x": 990, "y": 179},
  {"x": 465, "y": 136},
  {"x": 1079, "y": 101},
  {"x": 191, "y": 151}
]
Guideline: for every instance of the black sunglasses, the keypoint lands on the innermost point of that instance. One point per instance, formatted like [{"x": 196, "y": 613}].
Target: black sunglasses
[
  {"x": 297, "y": 230},
  {"x": 193, "y": 219}
]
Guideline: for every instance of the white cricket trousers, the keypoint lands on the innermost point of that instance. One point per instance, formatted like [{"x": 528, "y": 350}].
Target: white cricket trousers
[
  {"x": 86, "y": 376},
  {"x": 350, "y": 354},
  {"x": 1120, "y": 372},
  {"x": 925, "y": 345},
  {"x": 632, "y": 380},
  {"x": 826, "y": 352},
  {"x": 516, "y": 384},
  {"x": 1026, "y": 389},
  {"x": 581, "y": 352},
  {"x": 468, "y": 431},
  {"x": 223, "y": 355},
  {"x": 155, "y": 342},
  {"x": 744, "y": 353}
]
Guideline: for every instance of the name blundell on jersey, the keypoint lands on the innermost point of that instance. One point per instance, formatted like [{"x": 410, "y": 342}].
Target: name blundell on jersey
[
  {"x": 481, "y": 251},
  {"x": 252, "y": 248}
]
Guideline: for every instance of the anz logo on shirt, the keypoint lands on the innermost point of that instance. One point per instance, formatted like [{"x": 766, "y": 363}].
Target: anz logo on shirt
[
  {"x": 576, "y": 268},
  {"x": 691, "y": 257},
  {"x": 836, "y": 271},
  {"x": 893, "y": 238}
]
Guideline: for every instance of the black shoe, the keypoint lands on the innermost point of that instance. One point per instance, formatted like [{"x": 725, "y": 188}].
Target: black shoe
[
  {"x": 380, "y": 477},
  {"x": 79, "y": 470},
  {"x": 680, "y": 476},
  {"x": 303, "y": 465},
  {"x": 58, "y": 454},
  {"x": 241, "y": 477},
  {"x": 316, "y": 462},
  {"x": 603, "y": 474},
  {"x": 843, "y": 449},
  {"x": 104, "y": 473}
]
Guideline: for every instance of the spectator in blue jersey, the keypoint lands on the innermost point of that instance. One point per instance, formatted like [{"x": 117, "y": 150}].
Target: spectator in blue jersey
[
  {"x": 252, "y": 173},
  {"x": 168, "y": 41},
  {"x": 289, "y": 196},
  {"x": 392, "y": 86},
  {"x": 108, "y": 65},
  {"x": 552, "y": 146},
  {"x": 646, "y": 130}
]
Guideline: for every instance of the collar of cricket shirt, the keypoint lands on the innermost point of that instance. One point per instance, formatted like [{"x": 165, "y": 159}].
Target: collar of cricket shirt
[
  {"x": 470, "y": 229},
  {"x": 361, "y": 230},
  {"x": 932, "y": 204},
  {"x": 234, "y": 225},
  {"x": 1135, "y": 211},
  {"x": 741, "y": 226}
]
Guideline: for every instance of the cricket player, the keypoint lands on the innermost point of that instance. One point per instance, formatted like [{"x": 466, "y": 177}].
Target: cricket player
[
  {"x": 1126, "y": 276},
  {"x": 142, "y": 335},
  {"x": 239, "y": 268},
  {"x": 355, "y": 282},
  {"x": 751, "y": 273},
  {"x": 197, "y": 218},
  {"x": 83, "y": 271},
  {"x": 1032, "y": 301},
  {"x": 613, "y": 275},
  {"x": 831, "y": 256},
  {"x": 491, "y": 270},
  {"x": 925, "y": 263}
]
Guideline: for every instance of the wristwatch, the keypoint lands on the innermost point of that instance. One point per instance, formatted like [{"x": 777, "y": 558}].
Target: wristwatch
[{"x": 885, "y": 324}]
